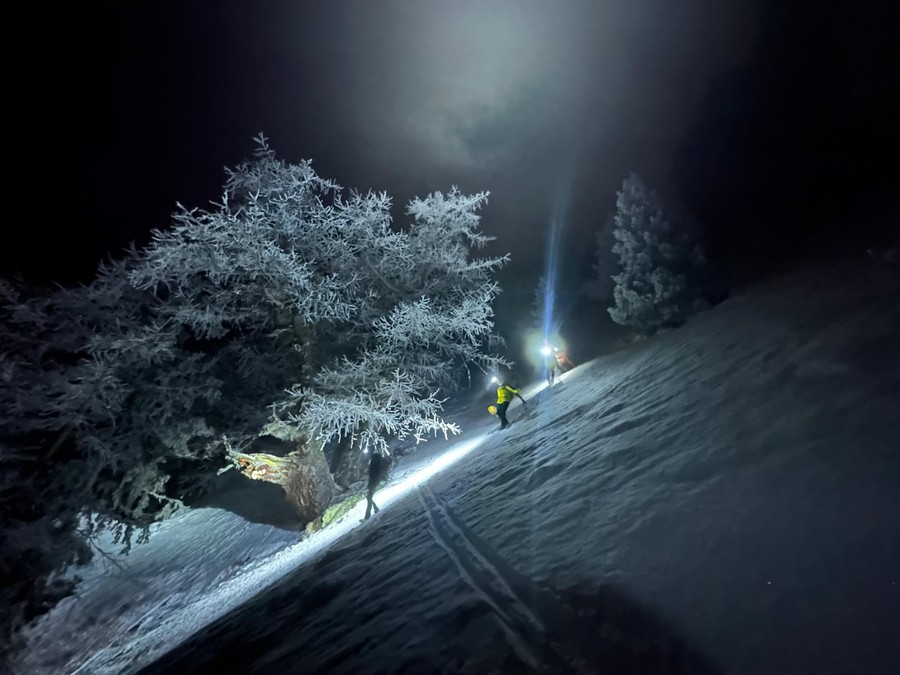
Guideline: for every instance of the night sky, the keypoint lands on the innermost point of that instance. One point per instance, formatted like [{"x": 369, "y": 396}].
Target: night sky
[{"x": 771, "y": 123}]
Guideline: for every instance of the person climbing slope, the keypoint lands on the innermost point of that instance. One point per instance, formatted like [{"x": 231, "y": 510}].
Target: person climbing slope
[
  {"x": 565, "y": 364},
  {"x": 379, "y": 465},
  {"x": 551, "y": 367},
  {"x": 505, "y": 394}
]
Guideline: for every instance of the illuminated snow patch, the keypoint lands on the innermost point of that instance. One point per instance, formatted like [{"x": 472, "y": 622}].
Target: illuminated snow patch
[
  {"x": 405, "y": 486},
  {"x": 219, "y": 601}
]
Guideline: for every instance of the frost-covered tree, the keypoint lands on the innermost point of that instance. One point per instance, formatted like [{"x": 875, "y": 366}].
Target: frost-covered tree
[
  {"x": 382, "y": 318},
  {"x": 98, "y": 403},
  {"x": 661, "y": 262},
  {"x": 289, "y": 311}
]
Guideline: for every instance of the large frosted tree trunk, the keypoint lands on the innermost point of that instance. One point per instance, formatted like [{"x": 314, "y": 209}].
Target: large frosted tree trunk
[{"x": 303, "y": 475}]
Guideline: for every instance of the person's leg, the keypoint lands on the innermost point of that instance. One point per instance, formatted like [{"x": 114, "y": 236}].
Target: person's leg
[
  {"x": 370, "y": 503},
  {"x": 501, "y": 413}
]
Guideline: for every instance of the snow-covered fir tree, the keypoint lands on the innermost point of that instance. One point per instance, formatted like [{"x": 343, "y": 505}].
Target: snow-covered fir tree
[
  {"x": 290, "y": 310},
  {"x": 661, "y": 262}
]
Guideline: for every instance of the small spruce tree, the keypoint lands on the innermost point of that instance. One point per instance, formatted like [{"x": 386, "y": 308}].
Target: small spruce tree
[{"x": 661, "y": 262}]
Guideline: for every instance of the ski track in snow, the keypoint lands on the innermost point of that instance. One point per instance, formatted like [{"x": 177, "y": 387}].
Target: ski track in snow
[
  {"x": 516, "y": 620},
  {"x": 736, "y": 479}
]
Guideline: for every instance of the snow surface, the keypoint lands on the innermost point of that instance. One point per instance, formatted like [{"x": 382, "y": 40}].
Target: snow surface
[{"x": 724, "y": 498}]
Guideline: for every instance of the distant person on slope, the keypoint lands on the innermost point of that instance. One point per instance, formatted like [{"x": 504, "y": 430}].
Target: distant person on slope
[
  {"x": 552, "y": 368},
  {"x": 505, "y": 394},
  {"x": 379, "y": 465},
  {"x": 565, "y": 365}
]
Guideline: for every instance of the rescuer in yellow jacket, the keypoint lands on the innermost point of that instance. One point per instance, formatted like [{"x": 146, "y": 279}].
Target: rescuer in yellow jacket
[{"x": 505, "y": 394}]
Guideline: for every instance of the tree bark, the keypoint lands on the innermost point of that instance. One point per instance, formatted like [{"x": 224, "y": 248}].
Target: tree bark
[{"x": 303, "y": 475}]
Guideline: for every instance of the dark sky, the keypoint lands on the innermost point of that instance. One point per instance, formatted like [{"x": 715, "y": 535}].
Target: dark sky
[{"x": 749, "y": 112}]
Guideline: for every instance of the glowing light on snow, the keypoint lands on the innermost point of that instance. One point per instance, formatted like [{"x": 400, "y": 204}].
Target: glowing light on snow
[
  {"x": 449, "y": 458},
  {"x": 220, "y": 600}
]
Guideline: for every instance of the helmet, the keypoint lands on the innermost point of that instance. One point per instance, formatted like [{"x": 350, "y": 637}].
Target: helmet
[{"x": 492, "y": 409}]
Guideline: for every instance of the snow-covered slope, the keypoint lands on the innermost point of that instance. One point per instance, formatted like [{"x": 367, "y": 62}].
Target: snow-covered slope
[{"x": 724, "y": 498}]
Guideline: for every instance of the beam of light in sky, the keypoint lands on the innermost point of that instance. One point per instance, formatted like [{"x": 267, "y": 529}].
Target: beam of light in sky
[{"x": 551, "y": 267}]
